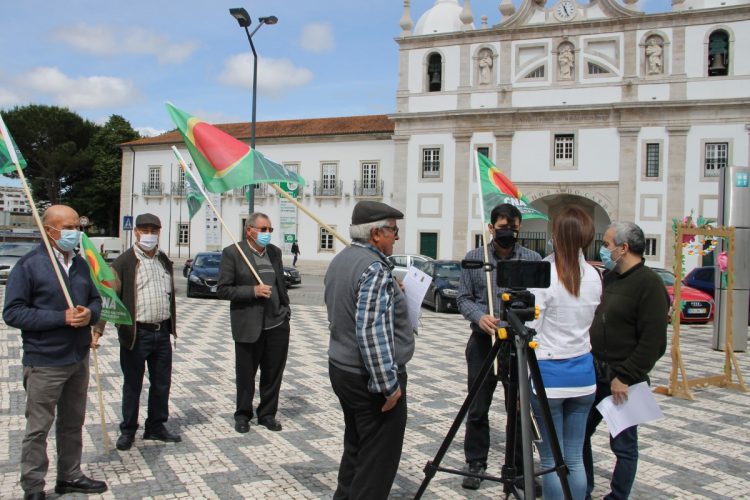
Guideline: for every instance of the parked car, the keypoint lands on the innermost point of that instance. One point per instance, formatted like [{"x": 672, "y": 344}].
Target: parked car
[
  {"x": 204, "y": 275},
  {"x": 702, "y": 278},
  {"x": 292, "y": 276},
  {"x": 697, "y": 306},
  {"x": 10, "y": 253},
  {"x": 403, "y": 262},
  {"x": 443, "y": 290}
]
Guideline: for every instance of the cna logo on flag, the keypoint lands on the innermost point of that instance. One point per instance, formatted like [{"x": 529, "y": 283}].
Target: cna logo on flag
[{"x": 497, "y": 189}]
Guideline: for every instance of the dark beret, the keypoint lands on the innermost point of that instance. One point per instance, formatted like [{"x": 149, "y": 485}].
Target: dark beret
[
  {"x": 147, "y": 220},
  {"x": 372, "y": 211}
]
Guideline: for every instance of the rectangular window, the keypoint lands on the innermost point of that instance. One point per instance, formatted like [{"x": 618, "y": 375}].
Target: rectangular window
[
  {"x": 325, "y": 242},
  {"x": 369, "y": 177},
  {"x": 485, "y": 150},
  {"x": 717, "y": 156},
  {"x": 183, "y": 233},
  {"x": 154, "y": 178},
  {"x": 564, "y": 152},
  {"x": 430, "y": 162},
  {"x": 328, "y": 179},
  {"x": 650, "y": 250},
  {"x": 652, "y": 160}
]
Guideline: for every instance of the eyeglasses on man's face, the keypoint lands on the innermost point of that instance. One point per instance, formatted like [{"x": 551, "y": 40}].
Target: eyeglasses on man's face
[
  {"x": 393, "y": 229},
  {"x": 267, "y": 229}
]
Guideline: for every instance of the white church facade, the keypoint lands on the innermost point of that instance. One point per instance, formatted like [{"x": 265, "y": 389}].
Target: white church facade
[{"x": 629, "y": 115}]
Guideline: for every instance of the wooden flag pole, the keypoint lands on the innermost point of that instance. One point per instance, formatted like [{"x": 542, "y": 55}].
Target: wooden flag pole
[
  {"x": 310, "y": 214},
  {"x": 53, "y": 260},
  {"x": 183, "y": 166}
]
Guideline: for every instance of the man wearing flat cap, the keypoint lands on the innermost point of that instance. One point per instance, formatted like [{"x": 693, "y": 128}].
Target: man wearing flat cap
[
  {"x": 371, "y": 342},
  {"x": 146, "y": 287}
]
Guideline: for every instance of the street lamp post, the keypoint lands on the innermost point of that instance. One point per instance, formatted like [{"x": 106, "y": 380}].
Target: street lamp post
[{"x": 244, "y": 20}]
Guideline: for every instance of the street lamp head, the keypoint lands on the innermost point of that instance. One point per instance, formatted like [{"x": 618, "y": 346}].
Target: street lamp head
[
  {"x": 243, "y": 18},
  {"x": 268, "y": 20}
]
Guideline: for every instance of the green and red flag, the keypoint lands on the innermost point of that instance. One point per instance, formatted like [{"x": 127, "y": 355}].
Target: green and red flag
[
  {"x": 195, "y": 195},
  {"x": 113, "y": 310},
  {"x": 9, "y": 152},
  {"x": 224, "y": 162},
  {"x": 496, "y": 189}
]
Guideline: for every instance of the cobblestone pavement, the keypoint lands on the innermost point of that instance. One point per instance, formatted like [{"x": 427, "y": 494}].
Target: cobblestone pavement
[{"x": 701, "y": 450}]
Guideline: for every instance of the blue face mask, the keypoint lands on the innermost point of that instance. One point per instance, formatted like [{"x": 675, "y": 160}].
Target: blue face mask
[
  {"x": 68, "y": 239},
  {"x": 605, "y": 254},
  {"x": 263, "y": 239}
]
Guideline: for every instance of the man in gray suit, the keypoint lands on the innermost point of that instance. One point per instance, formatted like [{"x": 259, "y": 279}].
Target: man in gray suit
[{"x": 259, "y": 314}]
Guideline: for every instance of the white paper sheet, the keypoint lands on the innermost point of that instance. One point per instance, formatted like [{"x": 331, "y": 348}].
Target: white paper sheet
[
  {"x": 640, "y": 408},
  {"x": 416, "y": 284}
]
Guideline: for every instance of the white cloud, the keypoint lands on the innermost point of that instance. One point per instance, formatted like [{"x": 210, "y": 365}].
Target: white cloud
[
  {"x": 317, "y": 38},
  {"x": 82, "y": 92},
  {"x": 149, "y": 131},
  {"x": 275, "y": 76},
  {"x": 105, "y": 41},
  {"x": 8, "y": 98}
]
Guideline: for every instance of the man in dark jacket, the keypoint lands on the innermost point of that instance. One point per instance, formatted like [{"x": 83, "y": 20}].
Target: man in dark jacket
[
  {"x": 146, "y": 287},
  {"x": 56, "y": 342},
  {"x": 628, "y": 336},
  {"x": 371, "y": 342},
  {"x": 259, "y": 314}
]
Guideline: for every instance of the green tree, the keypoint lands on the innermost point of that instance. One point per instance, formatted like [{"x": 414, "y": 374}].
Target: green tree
[
  {"x": 55, "y": 142},
  {"x": 101, "y": 195}
]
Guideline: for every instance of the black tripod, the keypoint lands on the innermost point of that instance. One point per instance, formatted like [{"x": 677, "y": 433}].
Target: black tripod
[{"x": 523, "y": 363}]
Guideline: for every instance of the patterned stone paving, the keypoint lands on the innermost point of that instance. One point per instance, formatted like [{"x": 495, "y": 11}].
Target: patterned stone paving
[{"x": 701, "y": 450}]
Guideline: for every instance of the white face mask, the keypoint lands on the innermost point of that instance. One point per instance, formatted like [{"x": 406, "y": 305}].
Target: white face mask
[{"x": 148, "y": 242}]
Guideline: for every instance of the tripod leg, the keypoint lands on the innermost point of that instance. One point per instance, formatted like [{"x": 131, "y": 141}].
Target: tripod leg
[
  {"x": 509, "y": 470},
  {"x": 525, "y": 406},
  {"x": 554, "y": 444},
  {"x": 432, "y": 465}
]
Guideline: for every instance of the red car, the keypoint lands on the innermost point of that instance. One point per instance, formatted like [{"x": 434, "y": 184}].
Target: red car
[{"x": 697, "y": 306}]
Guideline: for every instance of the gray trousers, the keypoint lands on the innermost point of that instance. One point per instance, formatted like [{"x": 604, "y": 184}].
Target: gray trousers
[{"x": 48, "y": 388}]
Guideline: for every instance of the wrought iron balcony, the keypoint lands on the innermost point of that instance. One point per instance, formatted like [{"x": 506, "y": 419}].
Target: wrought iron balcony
[
  {"x": 179, "y": 189},
  {"x": 330, "y": 189},
  {"x": 368, "y": 189},
  {"x": 153, "y": 189}
]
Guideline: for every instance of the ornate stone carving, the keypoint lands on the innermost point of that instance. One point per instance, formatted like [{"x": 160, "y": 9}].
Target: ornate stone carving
[
  {"x": 654, "y": 56},
  {"x": 566, "y": 62},
  {"x": 485, "y": 67}
]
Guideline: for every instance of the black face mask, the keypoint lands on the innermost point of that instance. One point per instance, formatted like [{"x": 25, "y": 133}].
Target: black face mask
[{"x": 505, "y": 238}]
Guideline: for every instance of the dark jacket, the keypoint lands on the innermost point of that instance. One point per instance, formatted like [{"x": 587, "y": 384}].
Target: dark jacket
[
  {"x": 629, "y": 331},
  {"x": 126, "y": 268},
  {"x": 34, "y": 303},
  {"x": 237, "y": 284}
]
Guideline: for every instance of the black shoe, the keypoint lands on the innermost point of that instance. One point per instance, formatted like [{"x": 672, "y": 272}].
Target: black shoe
[
  {"x": 162, "y": 435},
  {"x": 472, "y": 483},
  {"x": 39, "y": 495},
  {"x": 271, "y": 424},
  {"x": 242, "y": 425},
  {"x": 125, "y": 441},
  {"x": 81, "y": 485}
]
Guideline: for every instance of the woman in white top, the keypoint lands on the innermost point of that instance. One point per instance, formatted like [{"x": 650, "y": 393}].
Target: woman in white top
[{"x": 566, "y": 312}]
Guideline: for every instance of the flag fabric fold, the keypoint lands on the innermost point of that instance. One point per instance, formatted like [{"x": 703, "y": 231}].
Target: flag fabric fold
[
  {"x": 113, "y": 310},
  {"x": 496, "y": 188},
  {"x": 224, "y": 162},
  {"x": 9, "y": 152}
]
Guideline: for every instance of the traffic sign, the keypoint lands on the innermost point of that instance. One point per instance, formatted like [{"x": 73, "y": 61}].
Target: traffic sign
[{"x": 127, "y": 223}]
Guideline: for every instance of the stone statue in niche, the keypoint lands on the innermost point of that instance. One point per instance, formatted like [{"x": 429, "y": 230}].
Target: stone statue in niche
[
  {"x": 565, "y": 63},
  {"x": 654, "y": 59},
  {"x": 485, "y": 67}
]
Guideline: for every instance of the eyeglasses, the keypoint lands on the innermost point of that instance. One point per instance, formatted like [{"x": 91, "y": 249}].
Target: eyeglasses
[
  {"x": 264, "y": 229},
  {"x": 392, "y": 228}
]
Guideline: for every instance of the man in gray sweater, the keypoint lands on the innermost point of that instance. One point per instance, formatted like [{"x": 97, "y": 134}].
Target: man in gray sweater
[{"x": 371, "y": 342}]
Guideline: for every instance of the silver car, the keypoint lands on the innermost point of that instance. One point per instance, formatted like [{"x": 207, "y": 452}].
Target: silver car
[
  {"x": 10, "y": 253},
  {"x": 403, "y": 262}
]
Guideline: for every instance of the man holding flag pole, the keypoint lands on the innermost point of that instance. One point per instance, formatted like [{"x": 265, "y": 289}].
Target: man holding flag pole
[{"x": 502, "y": 206}]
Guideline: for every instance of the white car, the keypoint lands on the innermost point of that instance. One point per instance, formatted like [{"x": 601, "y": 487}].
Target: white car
[{"x": 403, "y": 262}]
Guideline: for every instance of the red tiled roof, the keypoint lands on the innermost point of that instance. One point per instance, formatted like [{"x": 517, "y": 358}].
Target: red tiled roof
[{"x": 345, "y": 125}]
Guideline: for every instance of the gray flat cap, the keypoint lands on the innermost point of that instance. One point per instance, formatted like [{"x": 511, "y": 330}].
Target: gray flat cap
[
  {"x": 371, "y": 211},
  {"x": 147, "y": 220}
]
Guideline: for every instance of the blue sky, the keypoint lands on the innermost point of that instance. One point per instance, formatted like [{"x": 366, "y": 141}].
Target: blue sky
[{"x": 323, "y": 58}]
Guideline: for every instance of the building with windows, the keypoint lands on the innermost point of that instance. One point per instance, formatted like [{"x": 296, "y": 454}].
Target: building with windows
[{"x": 628, "y": 115}]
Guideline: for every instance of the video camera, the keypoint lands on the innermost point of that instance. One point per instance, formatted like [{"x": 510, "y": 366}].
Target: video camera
[{"x": 516, "y": 276}]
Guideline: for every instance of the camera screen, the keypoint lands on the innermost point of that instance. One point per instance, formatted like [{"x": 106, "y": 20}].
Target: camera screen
[{"x": 523, "y": 274}]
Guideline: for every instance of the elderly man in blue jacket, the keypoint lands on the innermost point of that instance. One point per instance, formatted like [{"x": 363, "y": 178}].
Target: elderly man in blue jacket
[{"x": 56, "y": 341}]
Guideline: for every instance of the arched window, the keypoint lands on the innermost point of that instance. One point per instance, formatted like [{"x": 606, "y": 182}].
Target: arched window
[
  {"x": 434, "y": 73},
  {"x": 718, "y": 53}
]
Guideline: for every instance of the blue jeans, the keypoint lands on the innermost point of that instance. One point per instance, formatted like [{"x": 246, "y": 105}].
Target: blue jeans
[
  {"x": 569, "y": 416},
  {"x": 624, "y": 446}
]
